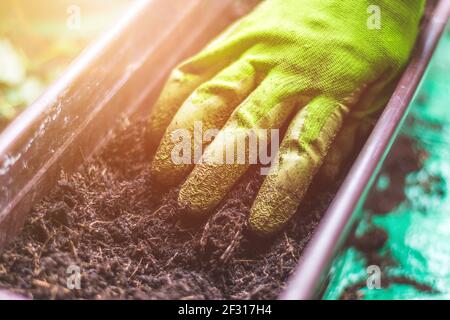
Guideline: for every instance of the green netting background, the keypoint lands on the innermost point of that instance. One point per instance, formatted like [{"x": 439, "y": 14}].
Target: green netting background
[{"x": 413, "y": 251}]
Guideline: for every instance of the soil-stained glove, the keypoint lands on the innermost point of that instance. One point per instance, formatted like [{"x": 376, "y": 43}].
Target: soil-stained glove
[{"x": 305, "y": 64}]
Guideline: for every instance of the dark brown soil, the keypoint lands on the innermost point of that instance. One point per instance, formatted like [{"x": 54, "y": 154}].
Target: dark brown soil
[
  {"x": 131, "y": 241},
  {"x": 405, "y": 157},
  {"x": 353, "y": 292}
]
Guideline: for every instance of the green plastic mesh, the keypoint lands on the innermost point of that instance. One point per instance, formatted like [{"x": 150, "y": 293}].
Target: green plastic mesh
[{"x": 415, "y": 256}]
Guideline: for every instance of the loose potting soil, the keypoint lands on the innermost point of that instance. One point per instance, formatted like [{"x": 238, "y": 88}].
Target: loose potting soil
[{"x": 122, "y": 237}]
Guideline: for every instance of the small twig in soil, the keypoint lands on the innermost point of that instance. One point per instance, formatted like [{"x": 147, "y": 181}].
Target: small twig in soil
[
  {"x": 135, "y": 270},
  {"x": 229, "y": 250}
]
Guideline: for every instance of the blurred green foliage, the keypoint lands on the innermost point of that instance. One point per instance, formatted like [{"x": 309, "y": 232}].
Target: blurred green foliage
[{"x": 37, "y": 44}]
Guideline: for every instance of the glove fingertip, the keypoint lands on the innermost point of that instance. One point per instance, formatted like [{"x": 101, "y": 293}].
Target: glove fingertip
[
  {"x": 266, "y": 218},
  {"x": 193, "y": 205}
]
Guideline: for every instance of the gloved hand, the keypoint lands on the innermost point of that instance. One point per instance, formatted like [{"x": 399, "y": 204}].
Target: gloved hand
[{"x": 313, "y": 63}]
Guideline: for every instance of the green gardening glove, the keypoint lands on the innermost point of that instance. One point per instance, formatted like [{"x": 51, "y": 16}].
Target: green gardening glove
[{"x": 305, "y": 64}]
